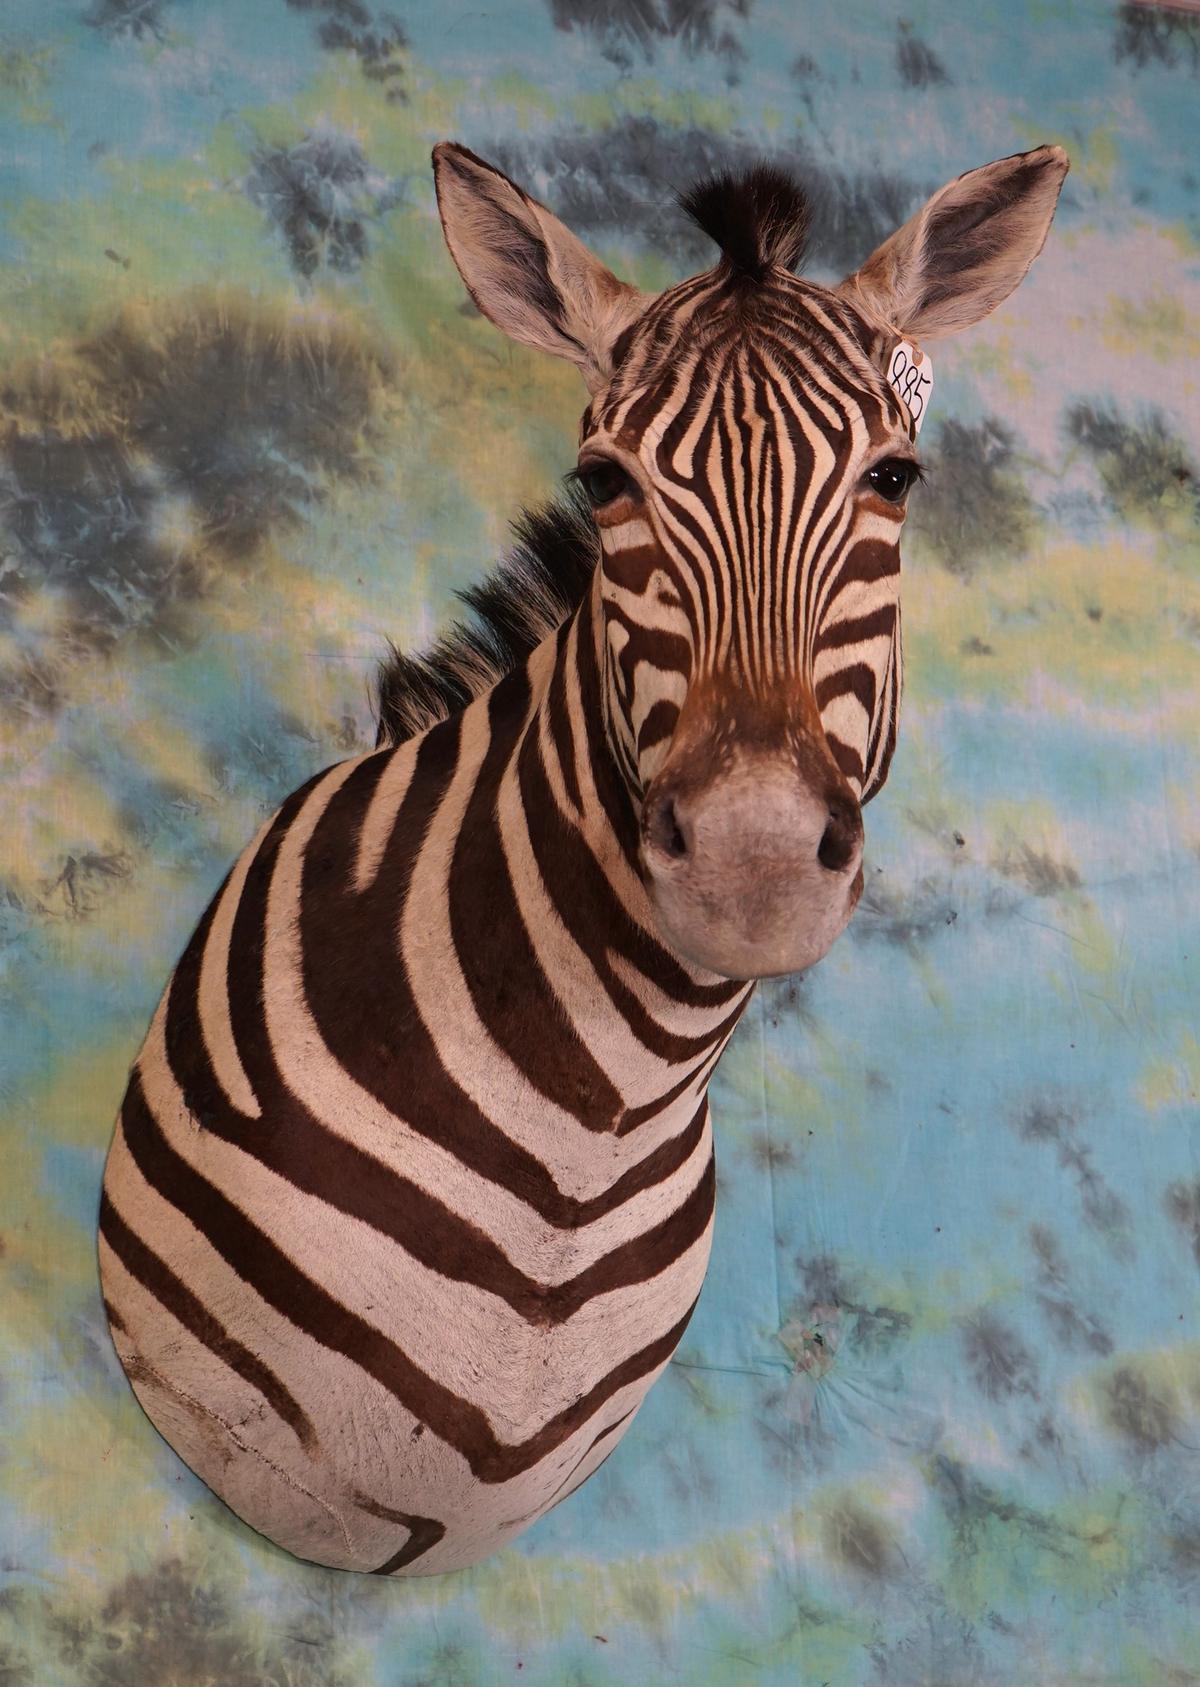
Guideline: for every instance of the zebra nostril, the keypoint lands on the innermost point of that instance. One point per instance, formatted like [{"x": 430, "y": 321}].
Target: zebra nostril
[
  {"x": 840, "y": 840},
  {"x": 663, "y": 829}
]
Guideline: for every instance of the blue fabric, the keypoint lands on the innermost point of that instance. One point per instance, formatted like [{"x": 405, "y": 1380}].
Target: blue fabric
[{"x": 935, "y": 1420}]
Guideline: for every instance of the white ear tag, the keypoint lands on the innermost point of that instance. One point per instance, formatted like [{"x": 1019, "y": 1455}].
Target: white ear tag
[{"x": 910, "y": 373}]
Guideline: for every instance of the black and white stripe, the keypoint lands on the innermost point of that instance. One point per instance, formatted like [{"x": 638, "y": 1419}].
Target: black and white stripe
[
  {"x": 411, "y": 1195},
  {"x": 352, "y": 1196}
]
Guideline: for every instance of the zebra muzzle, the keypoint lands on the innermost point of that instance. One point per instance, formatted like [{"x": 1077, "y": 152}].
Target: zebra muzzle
[{"x": 751, "y": 872}]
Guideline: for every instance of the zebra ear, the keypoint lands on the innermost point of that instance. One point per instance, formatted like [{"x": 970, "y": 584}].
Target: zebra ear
[
  {"x": 526, "y": 271},
  {"x": 966, "y": 250}
]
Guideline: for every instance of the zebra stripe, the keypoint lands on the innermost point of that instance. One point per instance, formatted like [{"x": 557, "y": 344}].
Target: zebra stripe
[
  {"x": 754, "y": 445},
  {"x": 410, "y": 1197},
  {"x": 350, "y": 1192},
  {"x": 295, "y": 1218},
  {"x": 411, "y": 1194}
]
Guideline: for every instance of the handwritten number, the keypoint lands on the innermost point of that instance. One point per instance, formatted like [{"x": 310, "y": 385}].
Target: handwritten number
[{"x": 910, "y": 383}]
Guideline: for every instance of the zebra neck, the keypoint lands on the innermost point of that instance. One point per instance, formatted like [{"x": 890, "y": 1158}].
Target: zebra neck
[{"x": 645, "y": 1026}]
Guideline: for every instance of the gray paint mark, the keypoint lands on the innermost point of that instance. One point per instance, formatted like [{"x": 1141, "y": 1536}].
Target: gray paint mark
[
  {"x": 1072, "y": 1328},
  {"x": 907, "y": 918},
  {"x": 1157, "y": 36},
  {"x": 861, "y": 1541},
  {"x": 871, "y": 1328},
  {"x": 623, "y": 28},
  {"x": 771, "y": 1153},
  {"x": 1039, "y": 871},
  {"x": 1183, "y": 1544},
  {"x": 321, "y": 194},
  {"x": 971, "y": 1505},
  {"x": 1182, "y": 1203},
  {"x": 136, "y": 20},
  {"x": 999, "y": 1361},
  {"x": 917, "y": 64},
  {"x": 1050, "y": 1122},
  {"x": 377, "y": 41},
  {"x": 1051, "y": 1265},
  {"x": 1146, "y": 469},
  {"x": 1141, "y": 1417},
  {"x": 175, "y": 1623},
  {"x": 620, "y": 182},
  {"x": 974, "y": 509},
  {"x": 940, "y": 1650},
  {"x": 214, "y": 426}
]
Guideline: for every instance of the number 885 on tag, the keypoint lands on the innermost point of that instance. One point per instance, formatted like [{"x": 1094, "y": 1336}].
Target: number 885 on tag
[{"x": 910, "y": 373}]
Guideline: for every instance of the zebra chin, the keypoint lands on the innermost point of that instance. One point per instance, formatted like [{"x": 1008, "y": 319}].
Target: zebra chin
[{"x": 752, "y": 873}]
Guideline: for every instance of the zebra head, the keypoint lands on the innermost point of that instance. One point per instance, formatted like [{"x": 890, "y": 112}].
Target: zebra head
[{"x": 748, "y": 466}]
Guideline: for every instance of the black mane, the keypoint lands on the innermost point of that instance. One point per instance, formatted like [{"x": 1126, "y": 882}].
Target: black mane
[
  {"x": 759, "y": 219},
  {"x": 529, "y": 594}
]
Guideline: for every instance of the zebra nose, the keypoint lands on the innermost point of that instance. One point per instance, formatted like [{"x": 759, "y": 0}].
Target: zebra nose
[
  {"x": 668, "y": 830},
  {"x": 755, "y": 870},
  {"x": 669, "y": 833},
  {"x": 841, "y": 841}
]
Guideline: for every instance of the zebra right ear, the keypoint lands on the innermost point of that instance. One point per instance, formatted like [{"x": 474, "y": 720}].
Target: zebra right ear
[
  {"x": 525, "y": 270},
  {"x": 965, "y": 250}
]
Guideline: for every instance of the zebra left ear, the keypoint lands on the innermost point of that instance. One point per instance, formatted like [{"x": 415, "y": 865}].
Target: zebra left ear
[
  {"x": 965, "y": 250},
  {"x": 525, "y": 270}
]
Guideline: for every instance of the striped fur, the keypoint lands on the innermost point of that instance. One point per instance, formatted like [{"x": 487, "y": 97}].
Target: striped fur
[
  {"x": 755, "y": 413},
  {"x": 411, "y": 1194}
]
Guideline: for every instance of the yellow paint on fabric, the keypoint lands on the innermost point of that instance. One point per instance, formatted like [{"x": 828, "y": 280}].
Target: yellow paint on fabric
[
  {"x": 1159, "y": 327},
  {"x": 1172, "y": 1080},
  {"x": 1099, "y": 621}
]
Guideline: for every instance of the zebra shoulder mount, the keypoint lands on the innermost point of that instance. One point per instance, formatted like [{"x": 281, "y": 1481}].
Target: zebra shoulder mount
[{"x": 411, "y": 1194}]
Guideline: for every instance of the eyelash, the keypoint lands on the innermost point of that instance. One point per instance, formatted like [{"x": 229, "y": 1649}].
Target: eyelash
[
  {"x": 590, "y": 477},
  {"x": 911, "y": 473}
]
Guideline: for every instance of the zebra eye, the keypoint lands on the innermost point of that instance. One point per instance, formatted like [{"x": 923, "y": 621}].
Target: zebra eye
[
  {"x": 603, "y": 482},
  {"x": 893, "y": 477}
]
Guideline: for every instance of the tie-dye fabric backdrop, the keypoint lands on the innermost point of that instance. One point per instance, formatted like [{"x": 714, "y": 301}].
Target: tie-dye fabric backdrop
[{"x": 937, "y": 1419}]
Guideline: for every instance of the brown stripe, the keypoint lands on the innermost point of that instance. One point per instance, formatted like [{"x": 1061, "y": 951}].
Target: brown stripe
[
  {"x": 636, "y": 1261},
  {"x": 326, "y": 1166},
  {"x": 423, "y": 1533},
  {"x": 160, "y": 1281},
  {"x": 359, "y": 1015},
  {"x": 557, "y": 1493},
  {"x": 857, "y": 629},
  {"x": 562, "y": 730},
  {"x": 643, "y": 1115},
  {"x": 264, "y": 1267},
  {"x": 366, "y": 1013},
  {"x": 669, "y": 651},
  {"x": 612, "y": 786},
  {"x": 658, "y": 724},
  {"x": 591, "y": 1447},
  {"x": 846, "y": 756},
  {"x": 352, "y": 1182},
  {"x": 189, "y": 1057},
  {"x": 869, "y": 561},
  {"x": 598, "y": 921},
  {"x": 298, "y": 1146},
  {"x": 858, "y": 679},
  {"x": 506, "y": 980},
  {"x": 884, "y": 727},
  {"x": 322, "y": 1164},
  {"x": 309, "y": 1307}
]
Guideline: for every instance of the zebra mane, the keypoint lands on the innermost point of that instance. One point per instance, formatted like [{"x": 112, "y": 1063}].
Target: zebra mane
[
  {"x": 759, "y": 219},
  {"x": 530, "y": 593}
]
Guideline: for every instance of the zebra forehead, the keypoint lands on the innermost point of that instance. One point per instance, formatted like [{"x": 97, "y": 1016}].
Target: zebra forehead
[{"x": 692, "y": 337}]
